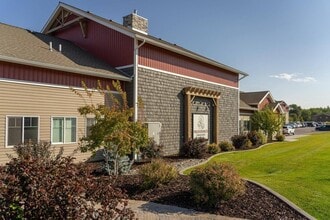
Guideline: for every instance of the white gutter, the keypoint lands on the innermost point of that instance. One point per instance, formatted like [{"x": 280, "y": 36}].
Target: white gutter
[{"x": 135, "y": 76}]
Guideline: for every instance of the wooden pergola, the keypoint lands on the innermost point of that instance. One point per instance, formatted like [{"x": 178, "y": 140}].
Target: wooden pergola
[{"x": 190, "y": 94}]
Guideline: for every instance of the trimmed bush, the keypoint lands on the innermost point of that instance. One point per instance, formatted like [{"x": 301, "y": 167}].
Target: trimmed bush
[
  {"x": 215, "y": 182},
  {"x": 195, "y": 148},
  {"x": 152, "y": 150},
  {"x": 213, "y": 148},
  {"x": 44, "y": 186},
  {"x": 241, "y": 142},
  {"x": 156, "y": 173},
  {"x": 254, "y": 137},
  {"x": 280, "y": 137},
  {"x": 262, "y": 137},
  {"x": 226, "y": 146}
]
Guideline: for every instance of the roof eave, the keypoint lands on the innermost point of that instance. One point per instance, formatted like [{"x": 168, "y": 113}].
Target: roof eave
[
  {"x": 62, "y": 68},
  {"x": 86, "y": 15}
]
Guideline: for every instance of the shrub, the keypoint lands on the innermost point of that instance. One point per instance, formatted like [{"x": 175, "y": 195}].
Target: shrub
[
  {"x": 280, "y": 137},
  {"x": 215, "y": 182},
  {"x": 226, "y": 146},
  {"x": 36, "y": 151},
  {"x": 241, "y": 142},
  {"x": 42, "y": 186},
  {"x": 254, "y": 138},
  {"x": 156, "y": 173},
  {"x": 195, "y": 148},
  {"x": 152, "y": 150},
  {"x": 262, "y": 137},
  {"x": 213, "y": 148}
]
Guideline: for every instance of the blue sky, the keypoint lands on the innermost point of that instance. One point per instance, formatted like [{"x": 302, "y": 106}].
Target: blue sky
[{"x": 284, "y": 45}]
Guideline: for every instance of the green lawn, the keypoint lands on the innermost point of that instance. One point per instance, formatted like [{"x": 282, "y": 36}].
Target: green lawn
[{"x": 298, "y": 170}]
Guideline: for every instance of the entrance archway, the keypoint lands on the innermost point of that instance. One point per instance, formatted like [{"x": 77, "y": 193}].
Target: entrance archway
[{"x": 201, "y": 113}]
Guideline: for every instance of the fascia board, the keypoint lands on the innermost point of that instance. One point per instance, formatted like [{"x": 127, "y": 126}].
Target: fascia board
[{"x": 88, "y": 16}]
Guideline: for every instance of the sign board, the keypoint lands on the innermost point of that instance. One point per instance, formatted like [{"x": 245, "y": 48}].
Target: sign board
[{"x": 201, "y": 126}]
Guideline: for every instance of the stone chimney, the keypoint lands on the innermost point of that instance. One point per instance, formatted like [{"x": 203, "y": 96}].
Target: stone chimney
[{"x": 136, "y": 22}]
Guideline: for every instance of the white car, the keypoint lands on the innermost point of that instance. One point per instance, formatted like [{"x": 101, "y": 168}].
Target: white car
[{"x": 288, "y": 129}]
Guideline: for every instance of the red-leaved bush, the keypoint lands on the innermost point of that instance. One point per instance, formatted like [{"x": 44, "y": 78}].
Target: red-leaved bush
[{"x": 44, "y": 187}]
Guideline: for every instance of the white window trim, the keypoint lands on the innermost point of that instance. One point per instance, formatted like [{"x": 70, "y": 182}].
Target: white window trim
[
  {"x": 22, "y": 116},
  {"x": 51, "y": 130}
]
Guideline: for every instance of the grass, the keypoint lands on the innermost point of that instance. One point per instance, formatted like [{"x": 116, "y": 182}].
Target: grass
[{"x": 298, "y": 170}]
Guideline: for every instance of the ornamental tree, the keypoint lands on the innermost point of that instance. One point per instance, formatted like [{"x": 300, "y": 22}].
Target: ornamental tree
[
  {"x": 113, "y": 131},
  {"x": 267, "y": 121}
]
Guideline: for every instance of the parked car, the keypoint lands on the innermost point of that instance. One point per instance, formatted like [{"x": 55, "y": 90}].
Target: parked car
[
  {"x": 288, "y": 129},
  {"x": 323, "y": 128}
]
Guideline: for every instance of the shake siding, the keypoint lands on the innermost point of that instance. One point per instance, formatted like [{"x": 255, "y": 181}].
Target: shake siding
[{"x": 45, "y": 102}]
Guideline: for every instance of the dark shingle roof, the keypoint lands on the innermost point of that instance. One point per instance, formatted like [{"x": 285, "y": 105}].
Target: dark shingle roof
[
  {"x": 253, "y": 98},
  {"x": 245, "y": 106},
  {"x": 32, "y": 48}
]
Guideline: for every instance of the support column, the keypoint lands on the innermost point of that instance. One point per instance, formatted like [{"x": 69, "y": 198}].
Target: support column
[
  {"x": 216, "y": 120},
  {"x": 187, "y": 107}
]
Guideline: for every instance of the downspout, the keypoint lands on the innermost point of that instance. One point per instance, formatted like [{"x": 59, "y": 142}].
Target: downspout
[
  {"x": 135, "y": 76},
  {"x": 239, "y": 101}
]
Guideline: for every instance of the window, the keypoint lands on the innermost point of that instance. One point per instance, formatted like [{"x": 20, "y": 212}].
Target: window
[
  {"x": 89, "y": 123},
  {"x": 64, "y": 130},
  {"x": 21, "y": 129}
]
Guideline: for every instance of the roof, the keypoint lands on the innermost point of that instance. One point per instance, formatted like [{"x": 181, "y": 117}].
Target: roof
[
  {"x": 254, "y": 98},
  {"x": 134, "y": 34},
  {"x": 276, "y": 105},
  {"x": 22, "y": 46},
  {"x": 245, "y": 106}
]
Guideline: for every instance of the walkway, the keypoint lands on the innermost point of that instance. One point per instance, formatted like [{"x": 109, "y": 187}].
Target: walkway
[{"x": 153, "y": 211}]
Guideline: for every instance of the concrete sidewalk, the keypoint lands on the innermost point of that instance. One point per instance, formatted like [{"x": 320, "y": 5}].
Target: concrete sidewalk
[{"x": 150, "y": 211}]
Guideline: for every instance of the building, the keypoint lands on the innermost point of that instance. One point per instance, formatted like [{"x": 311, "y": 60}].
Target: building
[
  {"x": 324, "y": 117},
  {"x": 250, "y": 102},
  {"x": 187, "y": 94},
  {"x": 35, "y": 80}
]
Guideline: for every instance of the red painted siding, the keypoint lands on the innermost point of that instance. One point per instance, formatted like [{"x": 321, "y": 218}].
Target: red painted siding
[
  {"x": 40, "y": 75},
  {"x": 264, "y": 103},
  {"x": 162, "y": 59},
  {"x": 109, "y": 45}
]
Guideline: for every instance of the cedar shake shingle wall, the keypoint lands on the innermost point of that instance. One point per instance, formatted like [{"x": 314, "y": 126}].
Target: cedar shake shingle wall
[
  {"x": 19, "y": 99},
  {"x": 163, "y": 101}
]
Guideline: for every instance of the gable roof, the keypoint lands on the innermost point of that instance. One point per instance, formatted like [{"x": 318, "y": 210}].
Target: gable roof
[
  {"x": 244, "y": 106},
  {"x": 49, "y": 26},
  {"x": 276, "y": 105},
  {"x": 25, "y": 47},
  {"x": 255, "y": 98}
]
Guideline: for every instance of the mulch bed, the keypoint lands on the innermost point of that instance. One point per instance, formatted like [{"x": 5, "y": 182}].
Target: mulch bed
[{"x": 256, "y": 203}]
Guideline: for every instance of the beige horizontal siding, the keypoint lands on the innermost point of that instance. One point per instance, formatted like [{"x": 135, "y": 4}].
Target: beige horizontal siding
[{"x": 44, "y": 102}]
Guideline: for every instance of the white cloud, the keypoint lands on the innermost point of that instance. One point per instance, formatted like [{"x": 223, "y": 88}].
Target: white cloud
[{"x": 294, "y": 77}]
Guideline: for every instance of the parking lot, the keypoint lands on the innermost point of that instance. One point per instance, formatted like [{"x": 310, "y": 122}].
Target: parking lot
[{"x": 305, "y": 130}]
